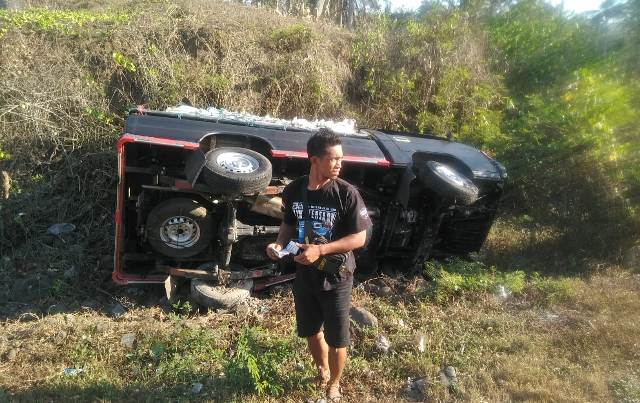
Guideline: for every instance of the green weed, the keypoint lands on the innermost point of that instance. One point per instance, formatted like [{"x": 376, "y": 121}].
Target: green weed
[
  {"x": 256, "y": 364},
  {"x": 290, "y": 38},
  {"x": 57, "y": 21},
  {"x": 548, "y": 290},
  {"x": 458, "y": 277}
]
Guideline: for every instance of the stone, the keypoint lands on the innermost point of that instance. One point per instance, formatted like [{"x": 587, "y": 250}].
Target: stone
[
  {"x": 90, "y": 304},
  {"x": 448, "y": 377},
  {"x": 103, "y": 327},
  {"x": 55, "y": 309},
  {"x": 631, "y": 258},
  {"x": 128, "y": 341},
  {"x": 61, "y": 228},
  {"x": 196, "y": 388},
  {"x": 383, "y": 344},
  {"x": 71, "y": 273},
  {"x": 362, "y": 317},
  {"x": 420, "y": 342},
  {"x": 11, "y": 354},
  {"x": 417, "y": 388},
  {"x": 117, "y": 310},
  {"x": 384, "y": 291}
]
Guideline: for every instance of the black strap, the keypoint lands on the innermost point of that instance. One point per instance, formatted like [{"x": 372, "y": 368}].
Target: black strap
[{"x": 305, "y": 212}]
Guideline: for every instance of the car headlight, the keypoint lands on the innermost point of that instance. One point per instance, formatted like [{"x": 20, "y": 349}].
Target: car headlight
[{"x": 453, "y": 175}]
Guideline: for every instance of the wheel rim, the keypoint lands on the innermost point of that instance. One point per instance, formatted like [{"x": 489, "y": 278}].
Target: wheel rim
[
  {"x": 237, "y": 162},
  {"x": 180, "y": 232}
]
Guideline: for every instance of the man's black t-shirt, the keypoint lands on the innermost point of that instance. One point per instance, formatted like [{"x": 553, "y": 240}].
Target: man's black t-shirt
[{"x": 334, "y": 211}]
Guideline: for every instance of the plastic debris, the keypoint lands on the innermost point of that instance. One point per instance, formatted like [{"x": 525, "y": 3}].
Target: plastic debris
[
  {"x": 346, "y": 126},
  {"x": 73, "y": 371},
  {"x": 383, "y": 344},
  {"x": 502, "y": 292},
  {"x": 196, "y": 388},
  {"x": 61, "y": 228}
]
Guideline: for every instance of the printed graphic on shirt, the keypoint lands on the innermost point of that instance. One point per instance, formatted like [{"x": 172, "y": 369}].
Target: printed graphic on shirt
[{"x": 320, "y": 219}]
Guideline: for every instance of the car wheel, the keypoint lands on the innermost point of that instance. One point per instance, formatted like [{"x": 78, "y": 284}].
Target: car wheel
[
  {"x": 220, "y": 296},
  {"x": 234, "y": 170},
  {"x": 447, "y": 182},
  {"x": 179, "y": 228}
]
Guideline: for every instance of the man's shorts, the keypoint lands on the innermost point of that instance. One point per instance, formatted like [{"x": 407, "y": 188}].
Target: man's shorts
[{"x": 316, "y": 307}]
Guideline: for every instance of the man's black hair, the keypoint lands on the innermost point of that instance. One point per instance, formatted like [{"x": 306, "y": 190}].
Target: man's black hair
[{"x": 318, "y": 143}]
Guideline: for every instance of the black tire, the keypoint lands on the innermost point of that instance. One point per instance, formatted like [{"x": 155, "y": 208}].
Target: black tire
[
  {"x": 453, "y": 186},
  {"x": 251, "y": 175},
  {"x": 179, "y": 228},
  {"x": 220, "y": 296}
]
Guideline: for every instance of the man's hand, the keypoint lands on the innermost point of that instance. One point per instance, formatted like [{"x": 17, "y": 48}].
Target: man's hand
[
  {"x": 270, "y": 250},
  {"x": 311, "y": 253}
]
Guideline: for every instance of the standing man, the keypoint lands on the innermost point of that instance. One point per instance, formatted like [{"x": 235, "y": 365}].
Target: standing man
[{"x": 327, "y": 217}]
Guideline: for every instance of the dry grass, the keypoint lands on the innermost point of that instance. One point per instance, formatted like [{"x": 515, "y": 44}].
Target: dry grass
[{"x": 579, "y": 350}]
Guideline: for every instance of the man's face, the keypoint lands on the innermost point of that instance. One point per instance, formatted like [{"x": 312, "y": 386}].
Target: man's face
[{"x": 330, "y": 163}]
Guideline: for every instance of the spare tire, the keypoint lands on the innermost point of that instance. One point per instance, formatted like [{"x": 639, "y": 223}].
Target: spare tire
[
  {"x": 179, "y": 228},
  {"x": 234, "y": 170},
  {"x": 447, "y": 182},
  {"x": 220, "y": 296}
]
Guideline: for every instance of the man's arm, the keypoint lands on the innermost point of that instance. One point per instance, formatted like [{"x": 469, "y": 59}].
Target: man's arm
[
  {"x": 346, "y": 244},
  {"x": 285, "y": 233}
]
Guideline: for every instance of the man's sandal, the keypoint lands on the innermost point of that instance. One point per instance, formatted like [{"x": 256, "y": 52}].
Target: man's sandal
[
  {"x": 334, "y": 394},
  {"x": 322, "y": 380}
]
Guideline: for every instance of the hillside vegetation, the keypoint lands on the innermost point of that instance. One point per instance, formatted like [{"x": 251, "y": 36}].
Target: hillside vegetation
[{"x": 555, "y": 97}]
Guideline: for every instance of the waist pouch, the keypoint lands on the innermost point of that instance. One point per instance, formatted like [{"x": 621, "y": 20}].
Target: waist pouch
[{"x": 331, "y": 264}]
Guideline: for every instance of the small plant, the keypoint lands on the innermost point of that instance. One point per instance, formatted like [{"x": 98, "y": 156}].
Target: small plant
[
  {"x": 550, "y": 290},
  {"x": 123, "y": 61},
  {"x": 290, "y": 38},
  {"x": 458, "y": 277},
  {"x": 256, "y": 363}
]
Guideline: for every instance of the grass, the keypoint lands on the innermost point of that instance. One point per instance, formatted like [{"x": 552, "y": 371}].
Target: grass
[
  {"x": 578, "y": 349},
  {"x": 566, "y": 331}
]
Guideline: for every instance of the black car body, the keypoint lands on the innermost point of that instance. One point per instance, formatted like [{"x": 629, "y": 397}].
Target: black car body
[{"x": 427, "y": 197}]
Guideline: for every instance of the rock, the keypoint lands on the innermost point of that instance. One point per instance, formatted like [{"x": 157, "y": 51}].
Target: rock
[
  {"x": 90, "y": 304},
  {"x": 128, "y": 341},
  {"x": 5, "y": 178},
  {"x": 11, "y": 354},
  {"x": 117, "y": 310},
  {"x": 61, "y": 228},
  {"x": 448, "y": 377},
  {"x": 196, "y": 388},
  {"x": 71, "y": 273},
  {"x": 73, "y": 371},
  {"x": 384, "y": 291},
  {"x": 383, "y": 344},
  {"x": 631, "y": 258},
  {"x": 103, "y": 327},
  {"x": 362, "y": 317},
  {"x": 417, "y": 388},
  {"x": 56, "y": 308}
]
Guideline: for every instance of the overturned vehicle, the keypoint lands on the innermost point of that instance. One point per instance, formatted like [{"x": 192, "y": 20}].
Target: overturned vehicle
[{"x": 199, "y": 196}]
